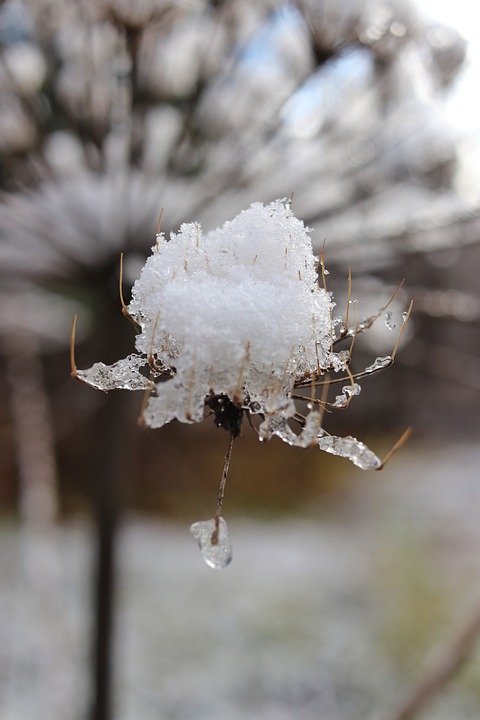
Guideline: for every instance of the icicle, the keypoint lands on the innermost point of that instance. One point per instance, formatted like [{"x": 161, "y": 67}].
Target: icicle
[
  {"x": 278, "y": 425},
  {"x": 380, "y": 362},
  {"x": 353, "y": 389},
  {"x": 391, "y": 325},
  {"x": 122, "y": 375},
  {"x": 218, "y": 554},
  {"x": 348, "y": 391},
  {"x": 350, "y": 448}
]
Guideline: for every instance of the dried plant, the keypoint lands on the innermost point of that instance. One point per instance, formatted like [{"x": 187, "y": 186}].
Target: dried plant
[{"x": 235, "y": 323}]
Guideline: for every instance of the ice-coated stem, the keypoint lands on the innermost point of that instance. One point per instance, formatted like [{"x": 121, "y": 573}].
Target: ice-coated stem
[{"x": 221, "y": 489}]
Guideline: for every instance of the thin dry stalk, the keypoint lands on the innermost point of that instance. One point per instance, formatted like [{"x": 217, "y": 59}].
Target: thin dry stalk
[
  {"x": 442, "y": 671},
  {"x": 399, "y": 444},
  {"x": 73, "y": 365},
  {"x": 125, "y": 312},
  {"x": 221, "y": 490}
]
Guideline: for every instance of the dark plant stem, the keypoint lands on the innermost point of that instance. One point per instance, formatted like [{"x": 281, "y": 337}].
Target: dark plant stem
[
  {"x": 221, "y": 489},
  {"x": 108, "y": 477}
]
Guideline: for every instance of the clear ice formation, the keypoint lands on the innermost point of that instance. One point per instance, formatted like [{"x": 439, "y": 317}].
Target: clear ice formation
[
  {"x": 389, "y": 322},
  {"x": 236, "y": 312},
  {"x": 218, "y": 554},
  {"x": 122, "y": 375},
  {"x": 278, "y": 425},
  {"x": 351, "y": 448},
  {"x": 379, "y": 364},
  {"x": 348, "y": 391}
]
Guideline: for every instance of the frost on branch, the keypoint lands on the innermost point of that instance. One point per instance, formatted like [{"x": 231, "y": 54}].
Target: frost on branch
[{"x": 235, "y": 321}]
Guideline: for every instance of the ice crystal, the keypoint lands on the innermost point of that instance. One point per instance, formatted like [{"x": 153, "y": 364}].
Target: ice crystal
[
  {"x": 214, "y": 542},
  {"x": 278, "y": 425},
  {"x": 122, "y": 375},
  {"x": 389, "y": 322},
  {"x": 351, "y": 448},
  {"x": 379, "y": 364},
  {"x": 348, "y": 391}
]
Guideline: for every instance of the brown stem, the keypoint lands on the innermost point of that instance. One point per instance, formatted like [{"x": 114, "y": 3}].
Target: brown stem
[
  {"x": 443, "y": 670},
  {"x": 221, "y": 490},
  {"x": 400, "y": 443}
]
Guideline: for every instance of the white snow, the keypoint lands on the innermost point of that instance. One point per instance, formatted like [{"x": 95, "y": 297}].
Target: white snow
[{"x": 238, "y": 313}]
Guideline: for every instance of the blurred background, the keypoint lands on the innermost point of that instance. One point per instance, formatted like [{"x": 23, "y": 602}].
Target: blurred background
[{"x": 343, "y": 583}]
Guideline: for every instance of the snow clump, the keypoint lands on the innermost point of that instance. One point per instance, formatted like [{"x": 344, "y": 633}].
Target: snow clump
[{"x": 235, "y": 321}]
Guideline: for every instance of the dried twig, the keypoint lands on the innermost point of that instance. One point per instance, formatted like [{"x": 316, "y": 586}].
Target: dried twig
[
  {"x": 400, "y": 443},
  {"x": 221, "y": 490},
  {"x": 125, "y": 312},
  {"x": 444, "y": 669}
]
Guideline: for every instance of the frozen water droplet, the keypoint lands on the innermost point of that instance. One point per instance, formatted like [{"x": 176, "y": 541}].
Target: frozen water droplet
[
  {"x": 380, "y": 362},
  {"x": 353, "y": 389},
  {"x": 217, "y": 554},
  {"x": 348, "y": 391},
  {"x": 340, "y": 401},
  {"x": 326, "y": 272},
  {"x": 404, "y": 316},
  {"x": 391, "y": 325},
  {"x": 350, "y": 448}
]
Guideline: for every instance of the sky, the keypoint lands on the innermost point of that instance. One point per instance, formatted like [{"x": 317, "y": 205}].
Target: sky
[{"x": 464, "y": 108}]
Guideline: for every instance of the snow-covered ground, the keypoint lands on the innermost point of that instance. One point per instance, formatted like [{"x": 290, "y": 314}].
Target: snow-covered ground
[{"x": 328, "y": 616}]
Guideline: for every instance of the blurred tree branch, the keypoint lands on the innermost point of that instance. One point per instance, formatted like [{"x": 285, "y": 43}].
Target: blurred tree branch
[{"x": 444, "y": 668}]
